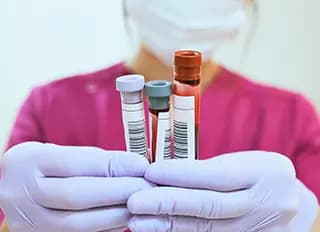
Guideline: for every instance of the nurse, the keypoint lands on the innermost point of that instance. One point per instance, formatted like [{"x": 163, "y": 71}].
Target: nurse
[{"x": 266, "y": 180}]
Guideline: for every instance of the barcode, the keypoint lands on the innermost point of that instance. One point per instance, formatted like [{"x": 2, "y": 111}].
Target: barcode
[
  {"x": 180, "y": 132},
  {"x": 167, "y": 145},
  {"x": 137, "y": 137}
]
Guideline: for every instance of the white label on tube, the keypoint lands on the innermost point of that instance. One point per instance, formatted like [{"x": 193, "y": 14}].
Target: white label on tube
[
  {"x": 184, "y": 127},
  {"x": 134, "y": 126},
  {"x": 163, "y": 150}
]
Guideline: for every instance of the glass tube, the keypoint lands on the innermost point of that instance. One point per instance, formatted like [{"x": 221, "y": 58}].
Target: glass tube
[
  {"x": 131, "y": 89},
  {"x": 159, "y": 93},
  {"x": 186, "y": 90}
]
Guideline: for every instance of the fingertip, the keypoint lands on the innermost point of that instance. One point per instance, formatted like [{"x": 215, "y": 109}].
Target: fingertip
[
  {"x": 132, "y": 225},
  {"x": 142, "y": 202},
  {"x": 139, "y": 163},
  {"x": 149, "y": 171},
  {"x": 129, "y": 164},
  {"x": 140, "y": 224},
  {"x": 167, "y": 171},
  {"x": 133, "y": 202},
  {"x": 149, "y": 224},
  {"x": 157, "y": 170},
  {"x": 142, "y": 160}
]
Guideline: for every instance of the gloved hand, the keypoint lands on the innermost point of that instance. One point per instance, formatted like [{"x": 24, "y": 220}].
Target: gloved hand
[
  {"x": 307, "y": 212},
  {"x": 243, "y": 192},
  {"x": 51, "y": 188}
]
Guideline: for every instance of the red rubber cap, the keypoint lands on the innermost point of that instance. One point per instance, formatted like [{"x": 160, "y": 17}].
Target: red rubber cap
[
  {"x": 187, "y": 65},
  {"x": 187, "y": 58}
]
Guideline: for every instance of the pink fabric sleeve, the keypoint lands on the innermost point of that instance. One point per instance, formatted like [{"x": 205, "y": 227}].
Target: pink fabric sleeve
[
  {"x": 307, "y": 153},
  {"x": 27, "y": 126}
]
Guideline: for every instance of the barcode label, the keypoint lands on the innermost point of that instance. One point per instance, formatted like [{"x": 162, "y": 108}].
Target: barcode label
[
  {"x": 163, "y": 145},
  {"x": 184, "y": 127},
  {"x": 167, "y": 144},
  {"x": 137, "y": 137},
  {"x": 180, "y": 130},
  {"x": 134, "y": 126}
]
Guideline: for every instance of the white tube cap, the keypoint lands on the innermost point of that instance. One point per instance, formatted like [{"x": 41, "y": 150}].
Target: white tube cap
[{"x": 130, "y": 83}]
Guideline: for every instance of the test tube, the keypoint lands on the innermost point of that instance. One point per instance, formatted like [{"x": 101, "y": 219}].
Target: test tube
[
  {"x": 131, "y": 89},
  {"x": 159, "y": 93},
  {"x": 186, "y": 90}
]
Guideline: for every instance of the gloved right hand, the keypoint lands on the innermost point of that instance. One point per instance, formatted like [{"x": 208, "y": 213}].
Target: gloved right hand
[
  {"x": 249, "y": 191},
  {"x": 52, "y": 188}
]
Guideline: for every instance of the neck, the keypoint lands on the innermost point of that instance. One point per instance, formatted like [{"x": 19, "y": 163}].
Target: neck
[{"x": 146, "y": 64}]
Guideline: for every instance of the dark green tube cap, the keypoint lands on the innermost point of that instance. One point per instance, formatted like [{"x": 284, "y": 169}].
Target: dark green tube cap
[{"x": 158, "y": 93}]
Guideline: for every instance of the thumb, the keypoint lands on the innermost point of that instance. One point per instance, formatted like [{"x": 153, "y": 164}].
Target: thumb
[
  {"x": 227, "y": 172},
  {"x": 69, "y": 161},
  {"x": 190, "y": 202},
  {"x": 66, "y": 161}
]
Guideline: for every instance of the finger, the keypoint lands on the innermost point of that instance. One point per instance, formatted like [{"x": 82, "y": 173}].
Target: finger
[
  {"x": 100, "y": 219},
  {"x": 76, "y": 193},
  {"x": 177, "y": 224},
  {"x": 223, "y": 173},
  {"x": 68, "y": 161},
  {"x": 190, "y": 202},
  {"x": 167, "y": 223}
]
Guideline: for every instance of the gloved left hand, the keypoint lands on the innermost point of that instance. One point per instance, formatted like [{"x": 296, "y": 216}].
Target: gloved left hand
[
  {"x": 51, "y": 188},
  {"x": 247, "y": 192}
]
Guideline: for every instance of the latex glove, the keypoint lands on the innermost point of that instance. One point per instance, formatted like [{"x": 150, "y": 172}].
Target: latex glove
[
  {"x": 308, "y": 210},
  {"x": 243, "y": 192},
  {"x": 51, "y": 188}
]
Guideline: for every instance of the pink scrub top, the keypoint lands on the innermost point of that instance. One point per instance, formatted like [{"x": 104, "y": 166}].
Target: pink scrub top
[{"x": 236, "y": 114}]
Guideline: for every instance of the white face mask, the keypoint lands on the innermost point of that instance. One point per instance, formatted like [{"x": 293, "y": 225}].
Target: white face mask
[{"x": 166, "y": 26}]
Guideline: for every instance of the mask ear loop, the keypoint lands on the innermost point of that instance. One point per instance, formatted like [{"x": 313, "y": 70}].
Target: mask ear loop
[
  {"x": 125, "y": 15},
  {"x": 128, "y": 27}
]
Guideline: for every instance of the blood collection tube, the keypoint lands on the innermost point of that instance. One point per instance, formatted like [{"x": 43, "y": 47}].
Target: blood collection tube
[
  {"x": 159, "y": 93},
  {"x": 186, "y": 90},
  {"x": 131, "y": 89}
]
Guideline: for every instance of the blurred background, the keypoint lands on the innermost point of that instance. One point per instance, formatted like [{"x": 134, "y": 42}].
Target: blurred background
[{"x": 42, "y": 40}]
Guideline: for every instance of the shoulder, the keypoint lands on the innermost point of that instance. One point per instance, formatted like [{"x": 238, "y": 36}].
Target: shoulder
[
  {"x": 277, "y": 106},
  {"x": 72, "y": 93},
  {"x": 267, "y": 95}
]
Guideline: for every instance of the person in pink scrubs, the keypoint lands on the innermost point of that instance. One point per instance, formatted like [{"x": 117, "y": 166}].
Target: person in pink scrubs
[{"x": 237, "y": 114}]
